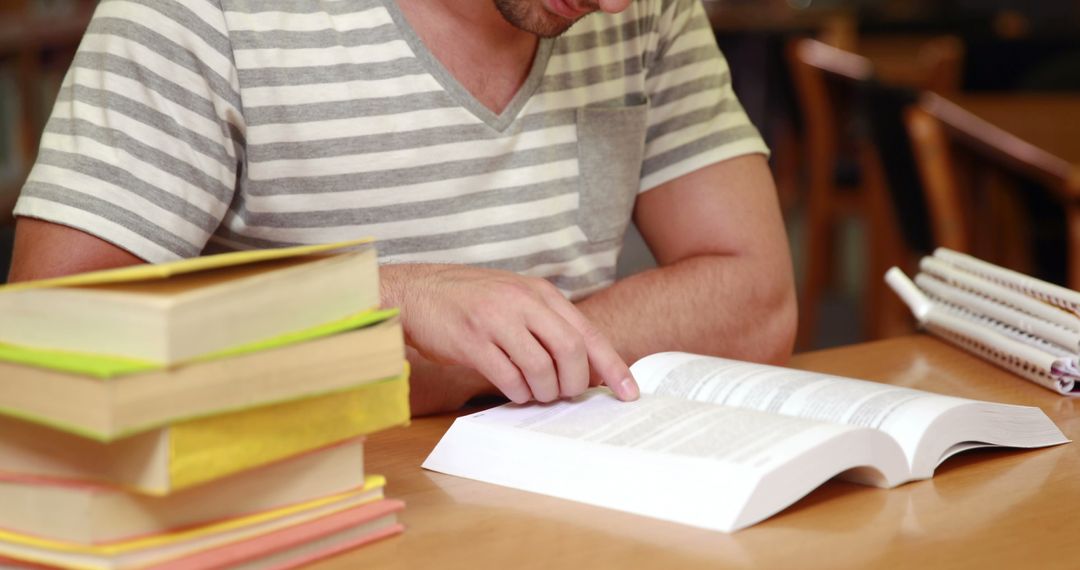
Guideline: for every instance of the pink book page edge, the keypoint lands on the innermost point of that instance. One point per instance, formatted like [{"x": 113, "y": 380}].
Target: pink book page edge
[
  {"x": 396, "y": 528},
  {"x": 196, "y": 526},
  {"x": 256, "y": 547}
]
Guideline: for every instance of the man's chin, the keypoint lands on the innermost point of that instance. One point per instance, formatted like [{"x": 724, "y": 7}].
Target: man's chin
[
  {"x": 534, "y": 19},
  {"x": 553, "y": 31}
]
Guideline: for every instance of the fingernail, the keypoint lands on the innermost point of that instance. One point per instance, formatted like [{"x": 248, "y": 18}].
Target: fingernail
[{"x": 628, "y": 389}]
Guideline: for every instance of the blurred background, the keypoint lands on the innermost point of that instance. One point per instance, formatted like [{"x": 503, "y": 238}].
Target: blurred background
[{"x": 896, "y": 126}]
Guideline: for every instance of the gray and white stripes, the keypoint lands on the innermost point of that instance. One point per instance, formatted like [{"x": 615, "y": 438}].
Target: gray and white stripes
[{"x": 191, "y": 125}]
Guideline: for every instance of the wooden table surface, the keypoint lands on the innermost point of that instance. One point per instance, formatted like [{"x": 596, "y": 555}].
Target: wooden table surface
[{"x": 983, "y": 509}]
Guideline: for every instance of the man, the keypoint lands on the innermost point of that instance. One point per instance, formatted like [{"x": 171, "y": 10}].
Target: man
[{"x": 495, "y": 149}]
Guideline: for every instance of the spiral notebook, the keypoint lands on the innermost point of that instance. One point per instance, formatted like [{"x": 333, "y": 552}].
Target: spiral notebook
[{"x": 1025, "y": 325}]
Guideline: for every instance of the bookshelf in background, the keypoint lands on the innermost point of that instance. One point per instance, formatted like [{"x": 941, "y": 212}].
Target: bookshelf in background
[{"x": 38, "y": 39}]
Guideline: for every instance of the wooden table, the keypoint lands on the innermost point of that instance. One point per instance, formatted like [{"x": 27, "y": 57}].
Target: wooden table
[
  {"x": 984, "y": 509},
  {"x": 1035, "y": 134}
]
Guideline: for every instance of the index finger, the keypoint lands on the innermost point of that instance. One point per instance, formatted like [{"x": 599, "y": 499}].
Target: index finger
[{"x": 604, "y": 361}]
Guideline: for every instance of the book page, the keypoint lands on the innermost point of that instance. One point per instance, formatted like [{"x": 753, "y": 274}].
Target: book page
[
  {"x": 903, "y": 413},
  {"x": 669, "y": 425},
  {"x": 710, "y": 466}
]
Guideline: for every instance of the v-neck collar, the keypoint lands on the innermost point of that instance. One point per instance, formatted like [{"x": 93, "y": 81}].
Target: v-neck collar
[{"x": 500, "y": 121}]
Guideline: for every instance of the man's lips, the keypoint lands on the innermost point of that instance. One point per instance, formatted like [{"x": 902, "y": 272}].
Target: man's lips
[{"x": 565, "y": 9}]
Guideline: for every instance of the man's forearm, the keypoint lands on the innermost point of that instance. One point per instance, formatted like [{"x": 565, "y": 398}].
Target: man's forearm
[{"x": 709, "y": 304}]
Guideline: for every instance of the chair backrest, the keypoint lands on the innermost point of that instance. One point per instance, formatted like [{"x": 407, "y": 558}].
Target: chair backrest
[
  {"x": 815, "y": 68},
  {"x": 836, "y": 88},
  {"x": 988, "y": 192},
  {"x": 946, "y": 201},
  {"x": 841, "y": 97}
]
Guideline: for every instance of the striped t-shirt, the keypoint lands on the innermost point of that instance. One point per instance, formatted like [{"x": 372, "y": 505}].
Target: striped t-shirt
[{"x": 195, "y": 126}]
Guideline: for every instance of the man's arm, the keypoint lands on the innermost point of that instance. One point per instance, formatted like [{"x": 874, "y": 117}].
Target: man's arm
[
  {"x": 44, "y": 249},
  {"x": 724, "y": 285}
]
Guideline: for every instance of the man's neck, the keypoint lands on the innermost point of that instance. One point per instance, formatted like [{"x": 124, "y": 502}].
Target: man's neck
[{"x": 487, "y": 55}]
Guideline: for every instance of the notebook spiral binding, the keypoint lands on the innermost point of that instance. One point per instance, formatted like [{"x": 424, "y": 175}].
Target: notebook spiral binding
[
  {"x": 1019, "y": 283},
  {"x": 1004, "y": 329}
]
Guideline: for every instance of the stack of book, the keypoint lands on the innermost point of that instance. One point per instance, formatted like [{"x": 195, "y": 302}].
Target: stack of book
[
  {"x": 207, "y": 413},
  {"x": 1021, "y": 323}
]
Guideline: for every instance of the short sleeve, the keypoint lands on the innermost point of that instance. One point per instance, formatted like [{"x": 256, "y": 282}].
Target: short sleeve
[
  {"x": 694, "y": 117},
  {"x": 145, "y": 142}
]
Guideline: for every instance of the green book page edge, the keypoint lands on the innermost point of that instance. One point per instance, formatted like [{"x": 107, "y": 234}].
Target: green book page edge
[
  {"x": 162, "y": 270},
  {"x": 105, "y": 367}
]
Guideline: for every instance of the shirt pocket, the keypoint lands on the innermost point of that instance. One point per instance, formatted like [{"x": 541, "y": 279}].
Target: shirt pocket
[{"x": 611, "y": 145}]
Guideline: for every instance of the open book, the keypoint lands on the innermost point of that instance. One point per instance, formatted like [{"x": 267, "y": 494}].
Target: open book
[
  {"x": 722, "y": 444},
  {"x": 1027, "y": 326}
]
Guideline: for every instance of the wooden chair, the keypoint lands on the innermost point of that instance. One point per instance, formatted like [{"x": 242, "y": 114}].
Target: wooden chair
[
  {"x": 981, "y": 184},
  {"x": 845, "y": 175},
  {"x": 828, "y": 201}
]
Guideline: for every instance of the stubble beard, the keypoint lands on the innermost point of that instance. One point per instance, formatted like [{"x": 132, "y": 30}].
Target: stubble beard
[{"x": 529, "y": 16}]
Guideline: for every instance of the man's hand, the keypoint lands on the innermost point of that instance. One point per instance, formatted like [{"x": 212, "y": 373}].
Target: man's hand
[{"x": 519, "y": 332}]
